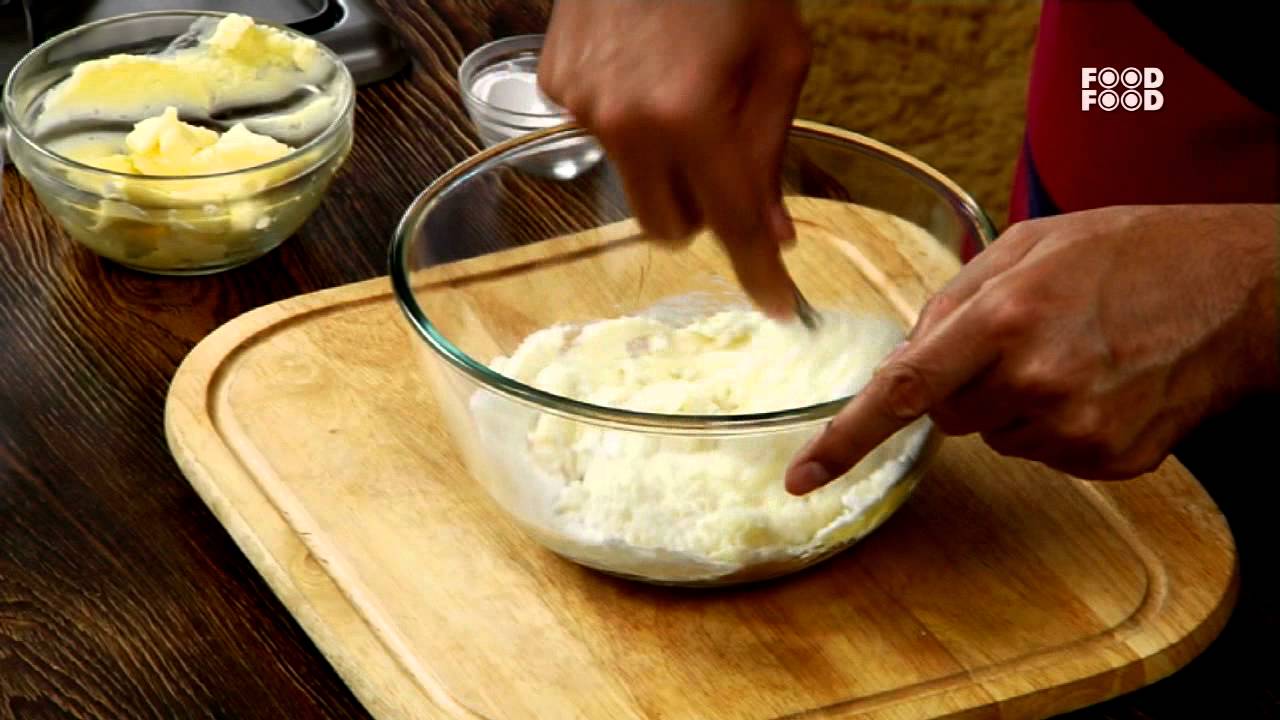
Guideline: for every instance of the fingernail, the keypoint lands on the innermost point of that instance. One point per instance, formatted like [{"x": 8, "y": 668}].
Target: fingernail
[{"x": 807, "y": 477}]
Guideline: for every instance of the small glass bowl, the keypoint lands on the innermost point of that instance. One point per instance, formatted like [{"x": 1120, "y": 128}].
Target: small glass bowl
[
  {"x": 527, "y": 111},
  {"x": 187, "y": 225},
  {"x": 491, "y": 253}
]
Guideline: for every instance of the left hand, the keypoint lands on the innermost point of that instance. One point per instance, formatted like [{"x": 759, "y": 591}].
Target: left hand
[{"x": 1091, "y": 342}]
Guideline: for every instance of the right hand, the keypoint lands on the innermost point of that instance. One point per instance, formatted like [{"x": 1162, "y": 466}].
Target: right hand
[{"x": 692, "y": 101}]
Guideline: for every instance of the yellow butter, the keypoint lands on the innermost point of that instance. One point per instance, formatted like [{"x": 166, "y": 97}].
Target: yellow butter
[
  {"x": 239, "y": 63},
  {"x": 121, "y": 85},
  {"x": 167, "y": 146},
  {"x": 237, "y": 38}
]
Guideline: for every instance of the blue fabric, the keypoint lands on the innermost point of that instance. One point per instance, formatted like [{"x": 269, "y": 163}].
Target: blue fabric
[{"x": 1039, "y": 204}]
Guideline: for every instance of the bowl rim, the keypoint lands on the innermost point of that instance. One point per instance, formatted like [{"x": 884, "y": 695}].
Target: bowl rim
[
  {"x": 691, "y": 424},
  {"x": 16, "y": 126},
  {"x": 477, "y": 60}
]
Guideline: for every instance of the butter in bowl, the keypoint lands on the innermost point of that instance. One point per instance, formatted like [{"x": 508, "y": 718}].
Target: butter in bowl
[{"x": 180, "y": 143}]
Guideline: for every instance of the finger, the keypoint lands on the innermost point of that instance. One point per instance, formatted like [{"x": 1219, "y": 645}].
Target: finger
[
  {"x": 912, "y": 382},
  {"x": 688, "y": 207},
  {"x": 1090, "y": 441},
  {"x": 564, "y": 35},
  {"x": 647, "y": 180},
  {"x": 1147, "y": 450},
  {"x": 1037, "y": 439},
  {"x": 1003, "y": 254},
  {"x": 1031, "y": 440},
  {"x": 1150, "y": 448},
  {"x": 644, "y": 163},
  {"x": 778, "y": 71},
  {"x": 935, "y": 310},
  {"x": 1027, "y": 439},
  {"x": 730, "y": 187},
  {"x": 984, "y": 404},
  {"x": 730, "y": 197},
  {"x": 764, "y": 277}
]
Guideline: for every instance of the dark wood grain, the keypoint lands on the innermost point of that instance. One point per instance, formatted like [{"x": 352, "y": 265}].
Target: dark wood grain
[{"x": 120, "y": 594}]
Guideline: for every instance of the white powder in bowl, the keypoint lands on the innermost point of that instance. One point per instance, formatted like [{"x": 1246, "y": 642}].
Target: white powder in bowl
[{"x": 686, "y": 507}]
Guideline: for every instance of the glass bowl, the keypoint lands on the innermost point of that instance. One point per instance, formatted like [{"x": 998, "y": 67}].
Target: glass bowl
[
  {"x": 499, "y": 88},
  {"x": 176, "y": 225},
  {"x": 491, "y": 253}
]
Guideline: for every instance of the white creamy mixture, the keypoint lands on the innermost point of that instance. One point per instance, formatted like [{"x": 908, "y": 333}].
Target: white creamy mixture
[{"x": 653, "y": 503}]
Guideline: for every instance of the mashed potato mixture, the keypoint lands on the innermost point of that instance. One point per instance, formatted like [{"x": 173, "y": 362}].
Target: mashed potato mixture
[{"x": 667, "y": 503}]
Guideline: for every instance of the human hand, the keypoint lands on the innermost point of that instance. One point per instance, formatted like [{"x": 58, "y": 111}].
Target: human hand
[
  {"x": 692, "y": 100},
  {"x": 1091, "y": 342}
]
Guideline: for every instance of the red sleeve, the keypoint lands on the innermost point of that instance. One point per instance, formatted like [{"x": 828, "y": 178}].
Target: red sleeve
[{"x": 1197, "y": 140}]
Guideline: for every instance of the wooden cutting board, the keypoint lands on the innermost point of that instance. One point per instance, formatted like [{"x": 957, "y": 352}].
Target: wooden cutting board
[{"x": 1001, "y": 589}]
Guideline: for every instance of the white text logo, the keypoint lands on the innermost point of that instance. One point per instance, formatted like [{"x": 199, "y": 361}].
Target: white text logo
[{"x": 1130, "y": 88}]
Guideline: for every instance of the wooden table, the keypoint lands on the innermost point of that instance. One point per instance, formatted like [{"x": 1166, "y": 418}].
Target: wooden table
[{"x": 122, "y": 597}]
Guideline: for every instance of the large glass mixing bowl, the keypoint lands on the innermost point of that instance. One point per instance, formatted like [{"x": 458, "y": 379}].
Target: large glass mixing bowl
[{"x": 492, "y": 252}]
